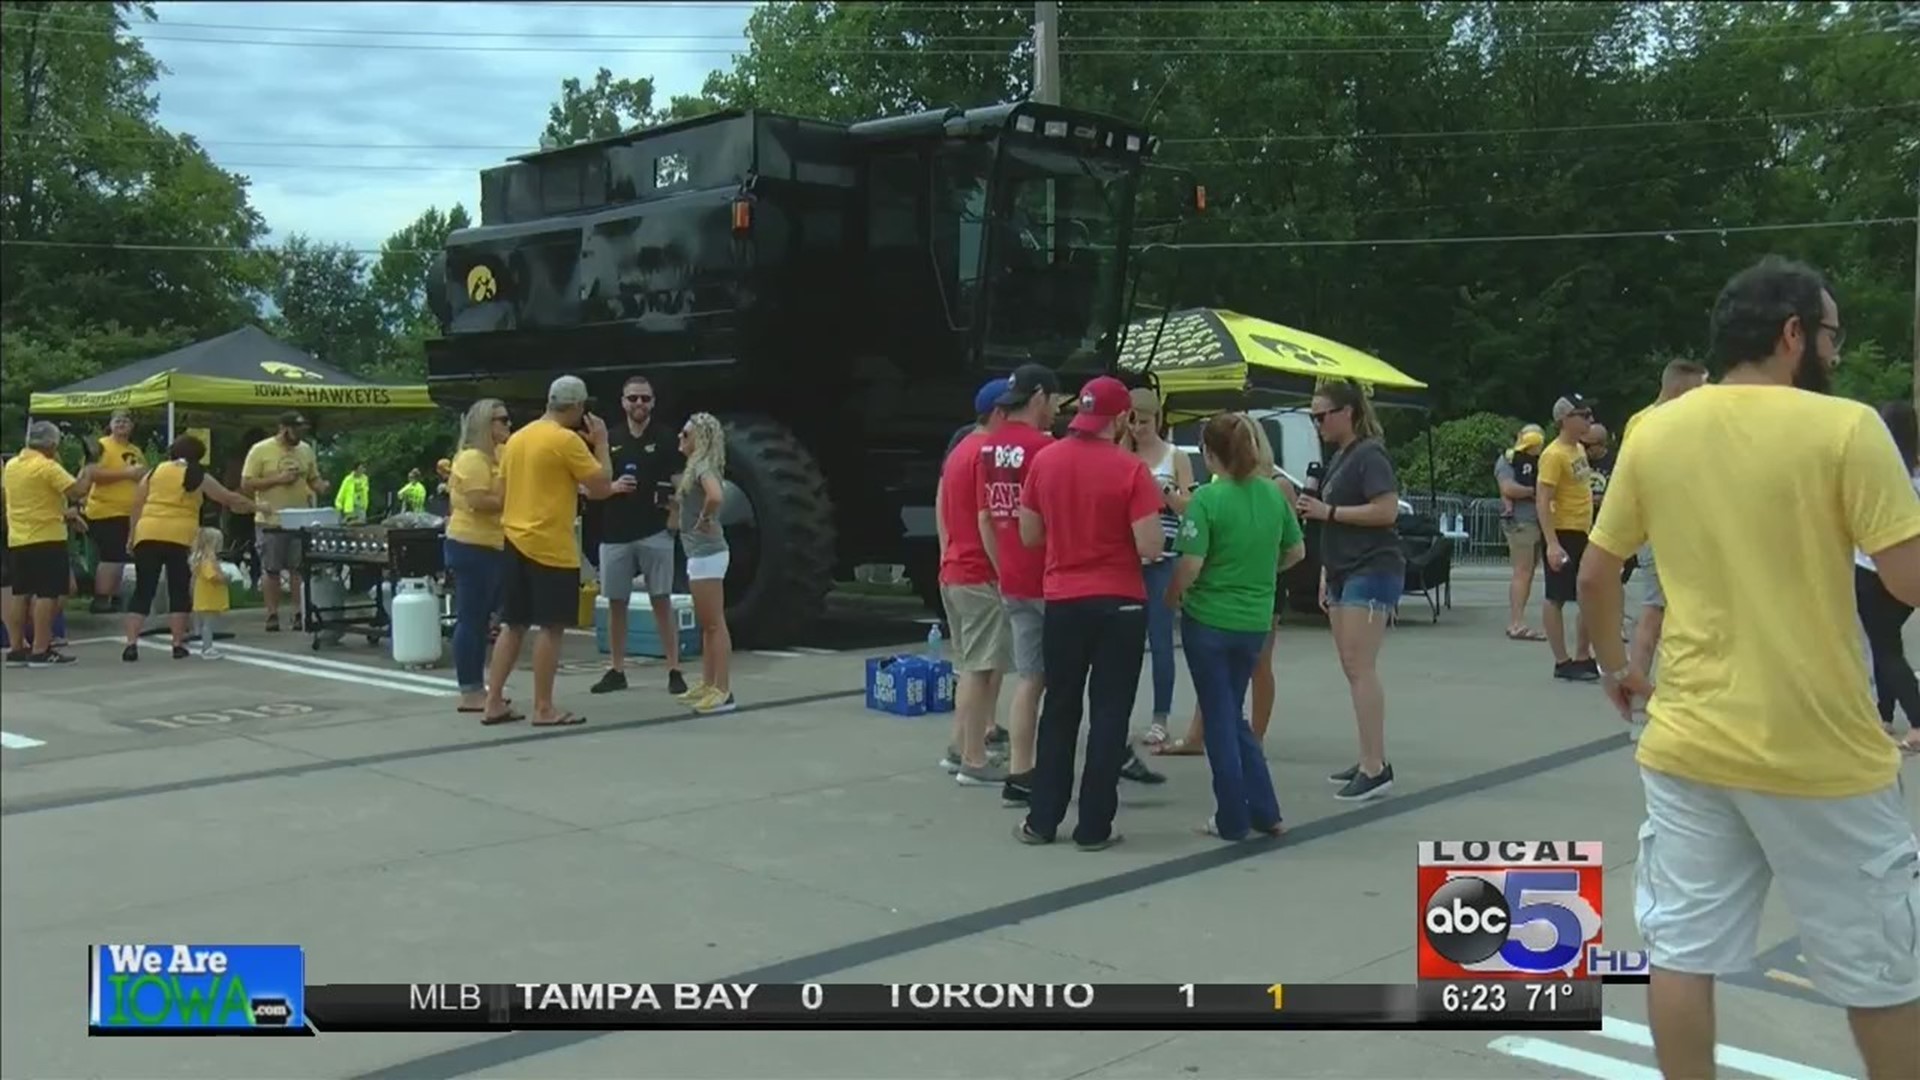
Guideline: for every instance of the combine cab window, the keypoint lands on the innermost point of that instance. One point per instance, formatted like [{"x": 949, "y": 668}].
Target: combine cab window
[
  {"x": 1057, "y": 258},
  {"x": 959, "y": 226}
]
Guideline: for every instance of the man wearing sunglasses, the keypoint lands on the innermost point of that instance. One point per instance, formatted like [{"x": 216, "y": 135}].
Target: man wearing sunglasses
[
  {"x": 1564, "y": 496},
  {"x": 634, "y": 537}
]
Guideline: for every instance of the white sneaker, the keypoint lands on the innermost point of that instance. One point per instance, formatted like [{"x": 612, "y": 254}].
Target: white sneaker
[{"x": 210, "y": 653}]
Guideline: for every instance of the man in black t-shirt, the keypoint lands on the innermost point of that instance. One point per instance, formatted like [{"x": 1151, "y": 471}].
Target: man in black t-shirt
[{"x": 634, "y": 539}]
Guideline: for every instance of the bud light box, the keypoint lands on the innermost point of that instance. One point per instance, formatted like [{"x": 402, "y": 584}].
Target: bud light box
[
  {"x": 909, "y": 685},
  {"x": 643, "y": 637}
]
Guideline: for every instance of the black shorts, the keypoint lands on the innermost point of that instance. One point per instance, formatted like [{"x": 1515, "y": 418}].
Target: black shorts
[
  {"x": 1563, "y": 585},
  {"x": 41, "y": 570},
  {"x": 110, "y": 537},
  {"x": 534, "y": 594}
]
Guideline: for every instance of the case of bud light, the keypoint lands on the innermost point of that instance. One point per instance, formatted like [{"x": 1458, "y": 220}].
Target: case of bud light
[{"x": 909, "y": 685}]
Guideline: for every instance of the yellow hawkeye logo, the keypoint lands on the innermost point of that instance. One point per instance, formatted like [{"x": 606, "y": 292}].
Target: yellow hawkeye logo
[
  {"x": 480, "y": 284},
  {"x": 289, "y": 371}
]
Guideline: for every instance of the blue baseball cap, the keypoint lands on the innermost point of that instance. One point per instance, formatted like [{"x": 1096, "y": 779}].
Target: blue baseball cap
[{"x": 988, "y": 397}]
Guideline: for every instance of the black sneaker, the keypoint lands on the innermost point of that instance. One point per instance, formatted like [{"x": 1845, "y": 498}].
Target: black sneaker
[
  {"x": 609, "y": 682},
  {"x": 1363, "y": 787},
  {"x": 102, "y": 605},
  {"x": 180, "y": 652},
  {"x": 1018, "y": 790},
  {"x": 130, "y": 654},
  {"x": 16, "y": 658},
  {"x": 1137, "y": 771},
  {"x": 1590, "y": 669},
  {"x": 997, "y": 737},
  {"x": 676, "y": 682},
  {"x": 49, "y": 659},
  {"x": 1566, "y": 671},
  {"x": 1344, "y": 776},
  {"x": 1577, "y": 671}
]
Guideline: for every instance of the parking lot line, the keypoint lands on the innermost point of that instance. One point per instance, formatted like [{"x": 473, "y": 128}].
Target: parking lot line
[
  {"x": 363, "y": 677},
  {"x": 11, "y": 741},
  {"x": 1747, "y": 1061},
  {"x": 1567, "y": 1059},
  {"x": 437, "y": 681}
]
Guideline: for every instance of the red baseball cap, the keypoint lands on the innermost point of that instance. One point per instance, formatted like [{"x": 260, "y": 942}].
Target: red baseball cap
[{"x": 1101, "y": 400}]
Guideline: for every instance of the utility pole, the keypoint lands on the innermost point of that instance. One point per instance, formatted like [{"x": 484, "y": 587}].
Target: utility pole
[
  {"x": 1916, "y": 292},
  {"x": 1046, "y": 52}
]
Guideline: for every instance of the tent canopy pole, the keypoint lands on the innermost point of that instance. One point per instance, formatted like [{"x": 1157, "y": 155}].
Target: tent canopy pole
[{"x": 170, "y": 434}]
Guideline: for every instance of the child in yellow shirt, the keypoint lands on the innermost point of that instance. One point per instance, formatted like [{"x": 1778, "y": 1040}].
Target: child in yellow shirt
[{"x": 211, "y": 595}]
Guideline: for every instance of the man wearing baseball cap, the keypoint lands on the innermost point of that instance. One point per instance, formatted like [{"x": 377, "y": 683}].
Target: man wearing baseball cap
[
  {"x": 1563, "y": 496},
  {"x": 970, "y": 594},
  {"x": 280, "y": 473},
  {"x": 1025, "y": 408},
  {"x": 986, "y": 401},
  {"x": 1095, "y": 510}
]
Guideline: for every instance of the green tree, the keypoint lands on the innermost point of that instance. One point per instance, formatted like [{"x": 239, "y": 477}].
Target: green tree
[
  {"x": 323, "y": 304},
  {"x": 607, "y": 107}
]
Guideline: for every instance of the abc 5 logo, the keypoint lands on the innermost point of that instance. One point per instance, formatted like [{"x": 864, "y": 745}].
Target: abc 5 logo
[{"x": 1507, "y": 924}]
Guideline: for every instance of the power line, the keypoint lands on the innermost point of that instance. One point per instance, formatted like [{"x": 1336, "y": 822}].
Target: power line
[
  {"x": 1011, "y": 47},
  {"x": 1220, "y": 245},
  {"x": 1633, "y": 234},
  {"x": 1558, "y": 129}
]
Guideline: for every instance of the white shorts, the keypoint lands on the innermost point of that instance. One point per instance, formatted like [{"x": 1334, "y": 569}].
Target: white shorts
[
  {"x": 1849, "y": 871},
  {"x": 707, "y": 567}
]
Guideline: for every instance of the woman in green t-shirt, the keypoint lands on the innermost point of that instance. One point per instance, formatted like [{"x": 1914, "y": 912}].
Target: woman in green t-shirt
[{"x": 1237, "y": 533}]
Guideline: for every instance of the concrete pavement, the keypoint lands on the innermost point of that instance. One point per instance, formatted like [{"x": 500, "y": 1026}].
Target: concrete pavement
[{"x": 330, "y": 801}]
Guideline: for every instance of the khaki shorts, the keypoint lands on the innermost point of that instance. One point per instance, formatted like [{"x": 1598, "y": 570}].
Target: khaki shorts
[
  {"x": 1848, "y": 870},
  {"x": 1523, "y": 538},
  {"x": 981, "y": 639}
]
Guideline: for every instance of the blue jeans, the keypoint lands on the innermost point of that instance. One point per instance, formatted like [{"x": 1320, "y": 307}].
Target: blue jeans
[
  {"x": 1221, "y": 663},
  {"x": 1159, "y": 575},
  {"x": 476, "y": 596}
]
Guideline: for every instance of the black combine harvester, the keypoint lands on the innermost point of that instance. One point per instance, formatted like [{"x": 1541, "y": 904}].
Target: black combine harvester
[{"x": 834, "y": 293}]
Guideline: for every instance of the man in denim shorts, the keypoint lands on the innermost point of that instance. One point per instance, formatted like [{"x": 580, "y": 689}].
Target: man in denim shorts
[{"x": 1763, "y": 758}]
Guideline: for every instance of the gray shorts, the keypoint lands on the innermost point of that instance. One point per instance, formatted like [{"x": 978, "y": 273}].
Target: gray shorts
[
  {"x": 1848, "y": 869},
  {"x": 279, "y": 551},
  {"x": 1028, "y": 620},
  {"x": 649, "y": 556},
  {"x": 1650, "y": 591}
]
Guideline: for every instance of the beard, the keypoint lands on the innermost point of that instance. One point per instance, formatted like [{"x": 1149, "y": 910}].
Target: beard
[{"x": 1812, "y": 373}]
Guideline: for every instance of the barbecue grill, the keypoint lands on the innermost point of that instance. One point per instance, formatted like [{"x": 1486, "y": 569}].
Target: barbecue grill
[
  {"x": 402, "y": 552},
  {"x": 372, "y": 559}
]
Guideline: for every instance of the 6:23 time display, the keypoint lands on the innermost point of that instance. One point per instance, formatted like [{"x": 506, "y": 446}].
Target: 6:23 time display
[{"x": 1474, "y": 997}]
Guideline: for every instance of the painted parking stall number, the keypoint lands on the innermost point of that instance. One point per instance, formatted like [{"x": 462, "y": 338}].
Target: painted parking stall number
[{"x": 216, "y": 717}]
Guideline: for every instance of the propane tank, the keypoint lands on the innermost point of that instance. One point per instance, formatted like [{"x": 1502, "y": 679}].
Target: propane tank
[{"x": 415, "y": 618}]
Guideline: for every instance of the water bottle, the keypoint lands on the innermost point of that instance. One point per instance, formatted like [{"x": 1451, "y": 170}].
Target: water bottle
[{"x": 936, "y": 647}]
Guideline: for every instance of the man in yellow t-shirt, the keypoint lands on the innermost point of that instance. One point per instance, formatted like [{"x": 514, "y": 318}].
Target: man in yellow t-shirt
[
  {"x": 542, "y": 466},
  {"x": 109, "y": 507},
  {"x": 38, "y": 489},
  {"x": 1563, "y": 495},
  {"x": 1679, "y": 377},
  {"x": 1763, "y": 759},
  {"x": 280, "y": 473}
]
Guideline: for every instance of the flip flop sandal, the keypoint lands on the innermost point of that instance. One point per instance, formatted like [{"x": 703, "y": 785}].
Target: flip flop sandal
[
  {"x": 507, "y": 717},
  {"x": 1179, "y": 748},
  {"x": 563, "y": 720},
  {"x": 1526, "y": 634},
  {"x": 478, "y": 708}
]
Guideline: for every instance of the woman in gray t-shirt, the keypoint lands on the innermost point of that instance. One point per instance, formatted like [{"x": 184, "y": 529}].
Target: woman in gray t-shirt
[{"x": 703, "y": 443}]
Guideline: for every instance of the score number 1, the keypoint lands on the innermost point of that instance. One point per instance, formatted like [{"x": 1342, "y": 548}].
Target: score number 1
[{"x": 1277, "y": 992}]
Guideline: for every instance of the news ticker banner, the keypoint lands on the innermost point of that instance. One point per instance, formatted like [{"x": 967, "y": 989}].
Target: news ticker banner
[{"x": 260, "y": 990}]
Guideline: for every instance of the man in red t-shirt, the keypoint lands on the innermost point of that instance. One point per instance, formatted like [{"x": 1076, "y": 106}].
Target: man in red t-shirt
[
  {"x": 971, "y": 595},
  {"x": 1027, "y": 409},
  {"x": 1096, "y": 510}
]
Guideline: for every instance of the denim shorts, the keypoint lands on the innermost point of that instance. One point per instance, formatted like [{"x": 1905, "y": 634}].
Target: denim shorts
[{"x": 1381, "y": 590}]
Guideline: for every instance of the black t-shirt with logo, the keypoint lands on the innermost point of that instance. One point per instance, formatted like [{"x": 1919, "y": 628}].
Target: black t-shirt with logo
[{"x": 651, "y": 458}]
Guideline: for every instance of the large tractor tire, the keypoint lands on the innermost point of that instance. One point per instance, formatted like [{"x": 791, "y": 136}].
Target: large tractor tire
[{"x": 780, "y": 534}]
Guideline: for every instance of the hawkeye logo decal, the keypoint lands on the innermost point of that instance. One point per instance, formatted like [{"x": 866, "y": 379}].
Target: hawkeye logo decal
[
  {"x": 290, "y": 371},
  {"x": 481, "y": 287}
]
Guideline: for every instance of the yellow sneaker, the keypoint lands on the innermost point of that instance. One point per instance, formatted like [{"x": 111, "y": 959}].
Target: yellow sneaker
[
  {"x": 715, "y": 701},
  {"x": 693, "y": 693}
]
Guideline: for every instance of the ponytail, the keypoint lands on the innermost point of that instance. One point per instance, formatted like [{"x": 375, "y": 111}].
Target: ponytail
[
  {"x": 1234, "y": 440},
  {"x": 1353, "y": 394}
]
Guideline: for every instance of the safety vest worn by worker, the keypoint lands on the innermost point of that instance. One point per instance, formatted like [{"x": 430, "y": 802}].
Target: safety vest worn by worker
[{"x": 353, "y": 496}]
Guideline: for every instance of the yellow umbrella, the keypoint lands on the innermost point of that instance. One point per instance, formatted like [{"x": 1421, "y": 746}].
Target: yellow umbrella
[{"x": 1212, "y": 348}]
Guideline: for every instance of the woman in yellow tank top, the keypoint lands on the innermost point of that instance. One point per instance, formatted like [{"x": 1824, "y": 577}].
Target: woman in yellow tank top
[{"x": 166, "y": 520}]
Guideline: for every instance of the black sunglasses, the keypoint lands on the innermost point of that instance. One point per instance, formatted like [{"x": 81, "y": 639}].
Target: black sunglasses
[
  {"x": 634, "y": 398},
  {"x": 1320, "y": 417}
]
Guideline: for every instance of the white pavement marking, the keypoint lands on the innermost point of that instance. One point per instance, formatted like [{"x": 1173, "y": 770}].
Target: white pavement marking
[
  {"x": 808, "y": 650},
  {"x": 18, "y": 742},
  {"x": 1746, "y": 1061},
  {"x": 1566, "y": 1059},
  {"x": 780, "y": 653},
  {"x": 365, "y": 677},
  {"x": 343, "y": 665}
]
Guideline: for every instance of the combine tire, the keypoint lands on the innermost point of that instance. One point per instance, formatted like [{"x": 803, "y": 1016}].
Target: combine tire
[{"x": 781, "y": 567}]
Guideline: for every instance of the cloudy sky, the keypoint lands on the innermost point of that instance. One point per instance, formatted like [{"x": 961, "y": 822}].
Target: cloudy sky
[{"x": 359, "y": 116}]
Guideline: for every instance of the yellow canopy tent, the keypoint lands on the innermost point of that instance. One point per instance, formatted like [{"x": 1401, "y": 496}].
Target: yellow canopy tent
[
  {"x": 1206, "y": 355},
  {"x": 248, "y": 370}
]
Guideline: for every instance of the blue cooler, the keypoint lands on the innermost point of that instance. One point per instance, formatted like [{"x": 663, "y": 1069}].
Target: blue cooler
[
  {"x": 899, "y": 684},
  {"x": 643, "y": 638}
]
